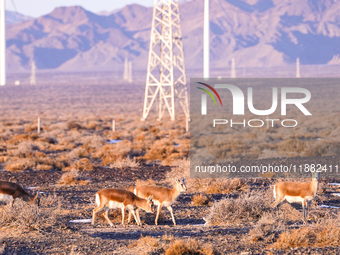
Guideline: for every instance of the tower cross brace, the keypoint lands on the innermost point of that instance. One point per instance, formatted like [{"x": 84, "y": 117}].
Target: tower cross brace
[{"x": 166, "y": 71}]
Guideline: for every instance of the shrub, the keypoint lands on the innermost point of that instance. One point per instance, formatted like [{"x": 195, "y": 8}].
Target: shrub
[
  {"x": 72, "y": 178},
  {"x": 190, "y": 246},
  {"x": 144, "y": 245},
  {"x": 23, "y": 216},
  {"x": 200, "y": 199},
  {"x": 324, "y": 233},
  {"x": 266, "y": 228},
  {"x": 126, "y": 162},
  {"x": 109, "y": 153},
  {"x": 247, "y": 208}
]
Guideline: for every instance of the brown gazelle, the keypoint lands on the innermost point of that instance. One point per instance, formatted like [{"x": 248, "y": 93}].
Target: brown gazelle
[
  {"x": 296, "y": 192},
  {"x": 9, "y": 191},
  {"x": 162, "y": 196},
  {"x": 107, "y": 199}
]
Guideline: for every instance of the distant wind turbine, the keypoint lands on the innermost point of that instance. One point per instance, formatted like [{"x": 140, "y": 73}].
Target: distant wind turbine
[
  {"x": 2, "y": 44},
  {"x": 206, "y": 28}
]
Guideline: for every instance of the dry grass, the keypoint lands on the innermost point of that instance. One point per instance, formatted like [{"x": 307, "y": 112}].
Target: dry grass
[
  {"x": 145, "y": 245},
  {"x": 266, "y": 229},
  {"x": 248, "y": 208},
  {"x": 124, "y": 163},
  {"x": 72, "y": 178},
  {"x": 83, "y": 164},
  {"x": 109, "y": 153},
  {"x": 188, "y": 247},
  {"x": 147, "y": 182},
  {"x": 200, "y": 200},
  {"x": 324, "y": 233},
  {"x": 226, "y": 186},
  {"x": 25, "y": 217}
]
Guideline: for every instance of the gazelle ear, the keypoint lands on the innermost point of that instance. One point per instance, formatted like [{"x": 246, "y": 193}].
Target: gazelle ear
[
  {"x": 150, "y": 198},
  {"x": 177, "y": 180},
  {"x": 184, "y": 179}
]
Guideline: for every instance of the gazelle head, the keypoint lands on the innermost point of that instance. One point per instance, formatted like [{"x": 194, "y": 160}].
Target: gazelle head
[
  {"x": 316, "y": 175},
  {"x": 35, "y": 199},
  {"x": 150, "y": 205},
  {"x": 181, "y": 184}
]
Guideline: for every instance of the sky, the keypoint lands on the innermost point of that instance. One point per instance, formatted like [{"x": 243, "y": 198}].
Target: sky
[{"x": 36, "y": 8}]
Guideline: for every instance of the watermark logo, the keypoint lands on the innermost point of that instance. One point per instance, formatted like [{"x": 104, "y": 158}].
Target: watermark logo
[
  {"x": 239, "y": 99},
  {"x": 204, "y": 97}
]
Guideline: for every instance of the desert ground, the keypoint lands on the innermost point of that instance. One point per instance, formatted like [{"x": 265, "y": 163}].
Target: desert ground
[{"x": 76, "y": 154}]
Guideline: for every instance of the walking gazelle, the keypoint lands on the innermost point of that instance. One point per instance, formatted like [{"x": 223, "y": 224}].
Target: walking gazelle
[
  {"x": 162, "y": 196},
  {"x": 107, "y": 199}
]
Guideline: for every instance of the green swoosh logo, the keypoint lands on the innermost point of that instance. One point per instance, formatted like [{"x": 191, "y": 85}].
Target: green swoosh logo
[{"x": 209, "y": 94}]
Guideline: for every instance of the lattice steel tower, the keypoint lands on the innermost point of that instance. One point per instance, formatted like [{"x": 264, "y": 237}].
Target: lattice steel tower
[{"x": 166, "y": 71}]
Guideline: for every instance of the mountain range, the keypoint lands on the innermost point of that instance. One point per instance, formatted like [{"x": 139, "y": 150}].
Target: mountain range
[
  {"x": 15, "y": 17},
  {"x": 257, "y": 33}
]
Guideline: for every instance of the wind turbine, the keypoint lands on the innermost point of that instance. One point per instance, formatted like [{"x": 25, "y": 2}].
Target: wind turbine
[
  {"x": 2, "y": 44},
  {"x": 206, "y": 29}
]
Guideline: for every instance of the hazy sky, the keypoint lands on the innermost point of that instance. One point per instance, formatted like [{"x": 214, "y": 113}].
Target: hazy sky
[{"x": 37, "y": 8}]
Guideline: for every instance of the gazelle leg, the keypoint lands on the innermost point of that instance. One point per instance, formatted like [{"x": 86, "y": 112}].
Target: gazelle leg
[
  {"x": 138, "y": 217},
  {"x": 157, "y": 215},
  {"x": 129, "y": 217},
  {"x": 106, "y": 216},
  {"x": 134, "y": 215},
  {"x": 94, "y": 214},
  {"x": 172, "y": 214},
  {"x": 123, "y": 216},
  {"x": 305, "y": 210}
]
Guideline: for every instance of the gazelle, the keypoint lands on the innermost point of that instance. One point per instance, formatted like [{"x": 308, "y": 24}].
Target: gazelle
[
  {"x": 9, "y": 191},
  {"x": 107, "y": 199},
  {"x": 162, "y": 196},
  {"x": 295, "y": 192}
]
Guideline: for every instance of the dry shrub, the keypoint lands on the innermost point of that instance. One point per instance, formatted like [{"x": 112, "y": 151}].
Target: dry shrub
[
  {"x": 144, "y": 245},
  {"x": 44, "y": 167},
  {"x": 4, "y": 159},
  {"x": 92, "y": 143},
  {"x": 16, "y": 139},
  {"x": 324, "y": 233},
  {"x": 247, "y": 208},
  {"x": 266, "y": 229},
  {"x": 291, "y": 147},
  {"x": 147, "y": 182},
  {"x": 322, "y": 148},
  {"x": 19, "y": 164},
  {"x": 30, "y": 128},
  {"x": 200, "y": 200},
  {"x": 109, "y": 153},
  {"x": 190, "y": 246},
  {"x": 123, "y": 163},
  {"x": 25, "y": 149},
  {"x": 72, "y": 125},
  {"x": 23, "y": 216},
  {"x": 163, "y": 150},
  {"x": 226, "y": 186},
  {"x": 72, "y": 178},
  {"x": 76, "y": 153}
]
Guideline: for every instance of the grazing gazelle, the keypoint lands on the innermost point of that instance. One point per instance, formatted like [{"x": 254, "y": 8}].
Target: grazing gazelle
[
  {"x": 296, "y": 192},
  {"x": 162, "y": 196},
  {"x": 9, "y": 191},
  {"x": 107, "y": 199}
]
